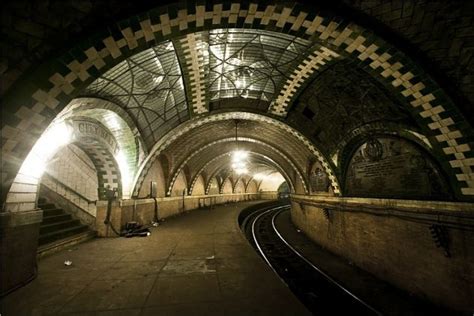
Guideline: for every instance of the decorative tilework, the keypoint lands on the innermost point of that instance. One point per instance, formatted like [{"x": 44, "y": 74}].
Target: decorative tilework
[
  {"x": 352, "y": 39},
  {"x": 320, "y": 57},
  {"x": 108, "y": 172},
  {"x": 192, "y": 48},
  {"x": 189, "y": 125},
  {"x": 242, "y": 139}
]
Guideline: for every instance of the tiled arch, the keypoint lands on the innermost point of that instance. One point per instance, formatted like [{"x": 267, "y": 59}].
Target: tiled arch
[
  {"x": 389, "y": 128},
  {"x": 189, "y": 125},
  {"x": 227, "y": 140},
  {"x": 108, "y": 173},
  {"x": 221, "y": 156},
  {"x": 35, "y": 105}
]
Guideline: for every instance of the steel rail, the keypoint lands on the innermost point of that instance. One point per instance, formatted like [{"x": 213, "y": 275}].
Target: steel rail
[{"x": 330, "y": 279}]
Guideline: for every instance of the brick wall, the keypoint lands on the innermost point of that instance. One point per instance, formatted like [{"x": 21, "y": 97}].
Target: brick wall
[
  {"x": 154, "y": 174},
  {"x": 73, "y": 168},
  {"x": 399, "y": 251},
  {"x": 179, "y": 185},
  {"x": 199, "y": 186},
  {"x": 142, "y": 210},
  {"x": 227, "y": 187}
]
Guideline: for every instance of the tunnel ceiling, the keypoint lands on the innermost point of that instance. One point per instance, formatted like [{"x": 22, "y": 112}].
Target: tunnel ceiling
[
  {"x": 317, "y": 78},
  {"x": 247, "y": 70},
  {"x": 243, "y": 69},
  {"x": 240, "y": 68}
]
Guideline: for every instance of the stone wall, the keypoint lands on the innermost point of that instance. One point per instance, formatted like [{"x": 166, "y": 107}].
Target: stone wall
[
  {"x": 392, "y": 240},
  {"x": 143, "y": 210},
  {"x": 74, "y": 169},
  {"x": 157, "y": 174}
]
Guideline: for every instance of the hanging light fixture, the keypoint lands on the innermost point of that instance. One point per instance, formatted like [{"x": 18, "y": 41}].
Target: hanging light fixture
[
  {"x": 239, "y": 157},
  {"x": 242, "y": 73}
]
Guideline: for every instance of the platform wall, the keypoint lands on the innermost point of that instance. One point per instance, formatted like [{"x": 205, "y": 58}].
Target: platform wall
[
  {"x": 392, "y": 239},
  {"x": 143, "y": 210}
]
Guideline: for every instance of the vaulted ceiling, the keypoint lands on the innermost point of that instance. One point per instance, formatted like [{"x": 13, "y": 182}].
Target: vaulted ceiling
[{"x": 301, "y": 81}]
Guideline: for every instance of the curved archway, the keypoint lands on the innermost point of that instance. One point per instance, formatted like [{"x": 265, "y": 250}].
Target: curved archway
[
  {"x": 221, "y": 168},
  {"x": 168, "y": 139},
  {"x": 394, "y": 70},
  {"x": 227, "y": 140},
  {"x": 413, "y": 172}
]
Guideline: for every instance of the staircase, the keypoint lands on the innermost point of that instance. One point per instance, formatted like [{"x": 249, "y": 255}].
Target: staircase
[{"x": 58, "y": 229}]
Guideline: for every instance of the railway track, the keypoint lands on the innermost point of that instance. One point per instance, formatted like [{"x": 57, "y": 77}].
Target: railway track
[{"x": 319, "y": 292}]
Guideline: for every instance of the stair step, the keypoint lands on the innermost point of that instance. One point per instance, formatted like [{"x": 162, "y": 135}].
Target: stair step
[
  {"x": 55, "y": 219},
  {"x": 48, "y": 228},
  {"x": 58, "y": 245},
  {"x": 46, "y": 206},
  {"x": 53, "y": 212},
  {"x": 60, "y": 234}
]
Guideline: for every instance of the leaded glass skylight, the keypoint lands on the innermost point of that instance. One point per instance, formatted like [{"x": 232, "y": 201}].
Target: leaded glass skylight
[
  {"x": 149, "y": 85},
  {"x": 251, "y": 63}
]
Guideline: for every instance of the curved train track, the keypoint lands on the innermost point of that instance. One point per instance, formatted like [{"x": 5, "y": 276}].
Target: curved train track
[{"x": 319, "y": 292}]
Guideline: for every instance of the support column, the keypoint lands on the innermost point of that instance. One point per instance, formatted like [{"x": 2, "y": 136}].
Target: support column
[
  {"x": 115, "y": 219},
  {"x": 19, "y": 232}
]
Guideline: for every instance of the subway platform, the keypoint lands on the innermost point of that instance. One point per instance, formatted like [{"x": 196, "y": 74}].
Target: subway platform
[{"x": 198, "y": 263}]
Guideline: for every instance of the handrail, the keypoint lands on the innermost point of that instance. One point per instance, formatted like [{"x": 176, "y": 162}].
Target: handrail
[{"x": 69, "y": 188}]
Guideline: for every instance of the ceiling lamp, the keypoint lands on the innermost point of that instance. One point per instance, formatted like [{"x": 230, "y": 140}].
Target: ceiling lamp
[{"x": 239, "y": 157}]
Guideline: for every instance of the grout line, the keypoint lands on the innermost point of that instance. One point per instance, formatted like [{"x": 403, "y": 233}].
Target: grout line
[
  {"x": 85, "y": 287},
  {"x": 157, "y": 277}
]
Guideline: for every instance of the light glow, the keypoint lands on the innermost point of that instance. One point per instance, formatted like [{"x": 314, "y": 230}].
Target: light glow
[
  {"x": 241, "y": 170},
  {"x": 56, "y": 136},
  {"x": 125, "y": 171},
  {"x": 239, "y": 163},
  {"x": 239, "y": 155},
  {"x": 259, "y": 176}
]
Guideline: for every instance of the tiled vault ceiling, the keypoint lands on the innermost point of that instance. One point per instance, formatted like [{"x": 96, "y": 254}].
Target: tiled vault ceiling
[
  {"x": 149, "y": 86},
  {"x": 235, "y": 64}
]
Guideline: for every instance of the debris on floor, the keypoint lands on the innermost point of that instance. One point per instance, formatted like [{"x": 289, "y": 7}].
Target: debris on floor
[
  {"x": 133, "y": 229},
  {"x": 68, "y": 263}
]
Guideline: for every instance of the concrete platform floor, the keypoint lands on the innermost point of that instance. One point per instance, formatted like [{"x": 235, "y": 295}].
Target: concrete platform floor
[{"x": 195, "y": 264}]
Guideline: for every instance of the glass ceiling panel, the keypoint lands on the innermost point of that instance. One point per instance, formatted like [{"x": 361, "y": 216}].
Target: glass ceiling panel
[
  {"x": 149, "y": 85},
  {"x": 244, "y": 63},
  {"x": 251, "y": 63}
]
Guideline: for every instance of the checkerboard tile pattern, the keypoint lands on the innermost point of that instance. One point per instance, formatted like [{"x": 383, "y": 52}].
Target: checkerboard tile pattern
[
  {"x": 107, "y": 170},
  {"x": 192, "y": 47},
  {"x": 319, "y": 58},
  {"x": 431, "y": 106}
]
